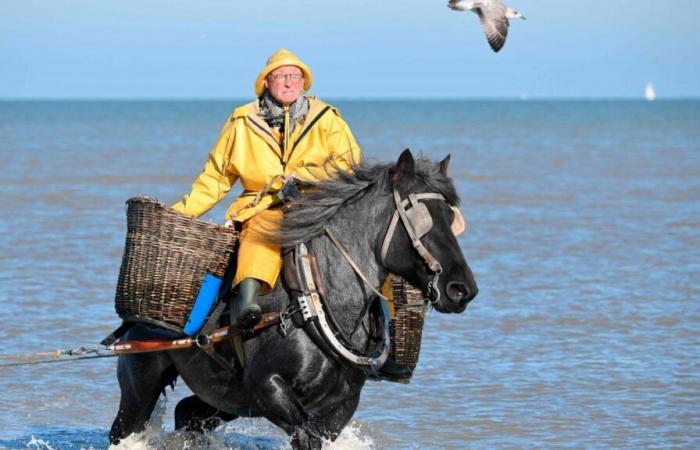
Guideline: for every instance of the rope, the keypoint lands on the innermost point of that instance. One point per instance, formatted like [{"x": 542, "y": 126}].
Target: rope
[
  {"x": 266, "y": 190},
  {"x": 75, "y": 354},
  {"x": 354, "y": 266}
]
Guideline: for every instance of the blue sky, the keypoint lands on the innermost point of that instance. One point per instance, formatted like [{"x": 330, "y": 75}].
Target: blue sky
[{"x": 363, "y": 48}]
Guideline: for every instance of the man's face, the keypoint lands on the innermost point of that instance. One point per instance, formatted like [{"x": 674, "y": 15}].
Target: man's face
[{"x": 285, "y": 84}]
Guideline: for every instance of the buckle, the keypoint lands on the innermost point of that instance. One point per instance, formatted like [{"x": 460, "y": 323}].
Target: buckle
[{"x": 203, "y": 341}]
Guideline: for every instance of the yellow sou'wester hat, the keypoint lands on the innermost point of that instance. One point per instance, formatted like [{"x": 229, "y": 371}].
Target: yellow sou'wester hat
[{"x": 282, "y": 57}]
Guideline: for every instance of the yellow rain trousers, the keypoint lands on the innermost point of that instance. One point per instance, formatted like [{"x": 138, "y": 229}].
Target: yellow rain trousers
[{"x": 258, "y": 155}]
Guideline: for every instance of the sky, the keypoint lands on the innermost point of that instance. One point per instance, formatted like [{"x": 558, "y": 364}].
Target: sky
[{"x": 214, "y": 49}]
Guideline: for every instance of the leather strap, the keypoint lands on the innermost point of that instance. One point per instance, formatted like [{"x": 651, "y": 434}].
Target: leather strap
[
  {"x": 318, "y": 279},
  {"x": 401, "y": 213},
  {"x": 213, "y": 319},
  {"x": 204, "y": 341},
  {"x": 219, "y": 335},
  {"x": 116, "y": 334}
]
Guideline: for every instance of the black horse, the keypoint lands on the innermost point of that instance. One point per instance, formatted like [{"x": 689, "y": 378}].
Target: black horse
[{"x": 288, "y": 379}]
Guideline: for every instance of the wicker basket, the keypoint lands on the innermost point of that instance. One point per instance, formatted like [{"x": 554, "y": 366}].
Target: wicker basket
[
  {"x": 166, "y": 257},
  {"x": 407, "y": 325}
]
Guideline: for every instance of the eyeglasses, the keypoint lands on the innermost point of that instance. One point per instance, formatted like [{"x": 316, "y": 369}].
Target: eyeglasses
[{"x": 293, "y": 77}]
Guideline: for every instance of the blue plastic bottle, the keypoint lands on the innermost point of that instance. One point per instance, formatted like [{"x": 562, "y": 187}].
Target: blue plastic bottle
[{"x": 206, "y": 298}]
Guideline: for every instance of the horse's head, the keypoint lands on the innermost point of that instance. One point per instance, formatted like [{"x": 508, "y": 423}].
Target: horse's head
[{"x": 420, "y": 244}]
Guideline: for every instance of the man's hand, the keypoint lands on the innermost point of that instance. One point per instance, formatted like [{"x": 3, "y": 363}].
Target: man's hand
[{"x": 289, "y": 190}]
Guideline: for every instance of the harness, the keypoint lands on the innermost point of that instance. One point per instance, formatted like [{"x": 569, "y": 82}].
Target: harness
[{"x": 303, "y": 277}]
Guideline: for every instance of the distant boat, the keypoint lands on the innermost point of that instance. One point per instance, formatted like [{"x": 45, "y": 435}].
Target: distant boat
[{"x": 650, "y": 93}]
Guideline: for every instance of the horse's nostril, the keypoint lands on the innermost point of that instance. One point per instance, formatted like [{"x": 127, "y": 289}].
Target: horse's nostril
[{"x": 457, "y": 291}]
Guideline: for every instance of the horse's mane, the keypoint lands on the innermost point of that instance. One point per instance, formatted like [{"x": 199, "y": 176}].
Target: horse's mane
[{"x": 308, "y": 214}]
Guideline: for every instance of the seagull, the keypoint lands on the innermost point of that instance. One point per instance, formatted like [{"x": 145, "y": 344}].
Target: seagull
[{"x": 494, "y": 15}]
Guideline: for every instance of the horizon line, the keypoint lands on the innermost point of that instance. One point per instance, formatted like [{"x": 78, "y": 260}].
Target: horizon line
[{"x": 523, "y": 98}]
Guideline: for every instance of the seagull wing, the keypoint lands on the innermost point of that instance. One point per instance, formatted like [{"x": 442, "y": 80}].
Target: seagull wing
[{"x": 495, "y": 24}]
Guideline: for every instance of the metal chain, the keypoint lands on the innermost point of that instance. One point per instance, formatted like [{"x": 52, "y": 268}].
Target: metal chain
[
  {"x": 433, "y": 288},
  {"x": 75, "y": 354},
  {"x": 286, "y": 315}
]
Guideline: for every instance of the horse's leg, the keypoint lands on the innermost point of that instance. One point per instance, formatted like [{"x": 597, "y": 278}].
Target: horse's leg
[
  {"x": 304, "y": 439},
  {"x": 142, "y": 378},
  {"x": 282, "y": 407},
  {"x": 325, "y": 424},
  {"x": 192, "y": 414},
  {"x": 330, "y": 422}
]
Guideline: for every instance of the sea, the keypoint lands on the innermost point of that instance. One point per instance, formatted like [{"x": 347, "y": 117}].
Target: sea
[{"x": 583, "y": 234}]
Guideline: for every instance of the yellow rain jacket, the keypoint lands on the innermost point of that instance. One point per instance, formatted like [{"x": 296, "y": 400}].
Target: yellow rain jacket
[{"x": 250, "y": 150}]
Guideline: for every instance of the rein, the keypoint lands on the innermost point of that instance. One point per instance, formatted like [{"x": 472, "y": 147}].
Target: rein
[{"x": 352, "y": 263}]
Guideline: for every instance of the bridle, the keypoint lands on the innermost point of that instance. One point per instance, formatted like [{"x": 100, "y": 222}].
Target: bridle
[{"x": 417, "y": 222}]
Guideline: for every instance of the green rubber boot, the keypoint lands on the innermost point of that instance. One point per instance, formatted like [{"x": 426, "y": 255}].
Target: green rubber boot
[{"x": 246, "y": 312}]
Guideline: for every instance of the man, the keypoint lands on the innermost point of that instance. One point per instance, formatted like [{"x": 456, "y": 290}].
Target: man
[{"x": 284, "y": 134}]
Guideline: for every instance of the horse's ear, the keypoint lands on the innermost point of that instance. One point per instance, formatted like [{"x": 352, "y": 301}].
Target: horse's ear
[
  {"x": 444, "y": 163},
  {"x": 406, "y": 166}
]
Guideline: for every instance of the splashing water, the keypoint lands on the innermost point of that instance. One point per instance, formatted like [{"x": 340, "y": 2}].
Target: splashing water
[
  {"x": 241, "y": 434},
  {"x": 39, "y": 444},
  {"x": 353, "y": 437}
]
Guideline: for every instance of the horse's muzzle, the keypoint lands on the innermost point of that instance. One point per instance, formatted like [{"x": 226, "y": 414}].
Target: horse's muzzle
[{"x": 459, "y": 292}]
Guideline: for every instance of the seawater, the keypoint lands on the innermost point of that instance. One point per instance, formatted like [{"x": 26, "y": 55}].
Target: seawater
[{"x": 584, "y": 236}]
